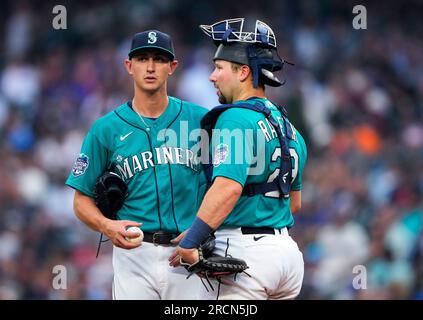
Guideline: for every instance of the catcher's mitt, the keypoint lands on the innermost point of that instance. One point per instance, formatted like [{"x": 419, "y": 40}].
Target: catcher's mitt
[
  {"x": 214, "y": 266},
  {"x": 110, "y": 192}
]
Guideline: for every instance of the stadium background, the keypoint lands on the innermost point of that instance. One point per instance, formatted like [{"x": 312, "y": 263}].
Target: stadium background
[{"x": 357, "y": 96}]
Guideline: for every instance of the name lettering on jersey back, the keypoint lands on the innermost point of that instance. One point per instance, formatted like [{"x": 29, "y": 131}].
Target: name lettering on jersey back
[
  {"x": 269, "y": 131},
  {"x": 134, "y": 164}
]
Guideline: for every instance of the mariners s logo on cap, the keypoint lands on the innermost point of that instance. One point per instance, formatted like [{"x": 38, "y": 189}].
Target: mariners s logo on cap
[{"x": 152, "y": 37}]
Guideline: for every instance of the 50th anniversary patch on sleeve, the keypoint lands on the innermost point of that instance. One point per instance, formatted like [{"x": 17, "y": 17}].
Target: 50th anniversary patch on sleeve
[
  {"x": 80, "y": 165},
  {"x": 220, "y": 154}
]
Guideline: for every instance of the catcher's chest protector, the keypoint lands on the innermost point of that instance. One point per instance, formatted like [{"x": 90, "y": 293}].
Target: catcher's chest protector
[{"x": 282, "y": 183}]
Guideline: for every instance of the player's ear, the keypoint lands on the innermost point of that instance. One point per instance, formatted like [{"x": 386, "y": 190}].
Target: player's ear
[
  {"x": 173, "y": 65},
  {"x": 244, "y": 72},
  {"x": 128, "y": 66}
]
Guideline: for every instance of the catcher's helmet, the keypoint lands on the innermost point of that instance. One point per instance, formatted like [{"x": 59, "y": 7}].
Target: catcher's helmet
[{"x": 256, "y": 49}]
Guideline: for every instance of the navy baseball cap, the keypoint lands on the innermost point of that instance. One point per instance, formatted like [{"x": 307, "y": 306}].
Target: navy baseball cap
[{"x": 152, "y": 39}]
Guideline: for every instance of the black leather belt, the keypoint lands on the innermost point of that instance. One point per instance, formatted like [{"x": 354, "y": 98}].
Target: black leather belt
[
  {"x": 159, "y": 237},
  {"x": 257, "y": 230}
]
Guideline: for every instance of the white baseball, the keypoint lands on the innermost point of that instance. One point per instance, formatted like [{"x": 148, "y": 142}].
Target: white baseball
[{"x": 135, "y": 230}]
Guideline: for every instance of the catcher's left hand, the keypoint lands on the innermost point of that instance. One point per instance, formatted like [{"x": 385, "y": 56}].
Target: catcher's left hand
[
  {"x": 187, "y": 255},
  {"x": 207, "y": 264}
]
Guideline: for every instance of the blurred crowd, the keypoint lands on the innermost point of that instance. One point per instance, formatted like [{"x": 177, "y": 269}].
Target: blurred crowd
[{"x": 356, "y": 96}]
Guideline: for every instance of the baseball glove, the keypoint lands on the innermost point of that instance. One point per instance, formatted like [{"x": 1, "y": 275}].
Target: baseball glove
[
  {"x": 214, "y": 266},
  {"x": 110, "y": 192}
]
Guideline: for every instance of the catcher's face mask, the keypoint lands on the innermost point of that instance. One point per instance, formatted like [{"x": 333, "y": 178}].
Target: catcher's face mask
[
  {"x": 257, "y": 48},
  {"x": 231, "y": 30}
]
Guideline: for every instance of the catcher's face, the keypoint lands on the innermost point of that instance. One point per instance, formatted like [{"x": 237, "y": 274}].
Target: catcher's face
[
  {"x": 225, "y": 80},
  {"x": 150, "y": 69}
]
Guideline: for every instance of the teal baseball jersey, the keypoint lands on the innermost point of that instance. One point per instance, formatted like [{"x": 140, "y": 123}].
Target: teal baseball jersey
[
  {"x": 246, "y": 149},
  {"x": 157, "y": 158}
]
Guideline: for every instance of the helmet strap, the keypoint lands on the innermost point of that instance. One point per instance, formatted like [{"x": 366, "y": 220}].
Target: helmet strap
[{"x": 252, "y": 58}]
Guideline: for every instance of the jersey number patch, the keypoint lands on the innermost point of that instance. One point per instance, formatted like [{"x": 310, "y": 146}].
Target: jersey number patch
[{"x": 277, "y": 154}]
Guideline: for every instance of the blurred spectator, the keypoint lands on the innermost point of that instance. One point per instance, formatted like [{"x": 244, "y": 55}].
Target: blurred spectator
[
  {"x": 194, "y": 84},
  {"x": 343, "y": 244},
  {"x": 20, "y": 84},
  {"x": 19, "y": 30}
]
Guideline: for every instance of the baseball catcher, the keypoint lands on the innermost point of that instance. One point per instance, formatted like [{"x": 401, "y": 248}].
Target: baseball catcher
[{"x": 249, "y": 210}]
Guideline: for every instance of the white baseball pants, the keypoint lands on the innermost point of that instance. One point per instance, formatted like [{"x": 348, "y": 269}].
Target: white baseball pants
[
  {"x": 144, "y": 273},
  {"x": 276, "y": 266}
]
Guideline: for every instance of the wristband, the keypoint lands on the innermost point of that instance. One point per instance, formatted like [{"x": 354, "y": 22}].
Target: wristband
[{"x": 196, "y": 234}]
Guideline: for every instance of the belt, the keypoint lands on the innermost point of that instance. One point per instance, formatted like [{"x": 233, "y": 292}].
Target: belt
[
  {"x": 259, "y": 230},
  {"x": 159, "y": 237}
]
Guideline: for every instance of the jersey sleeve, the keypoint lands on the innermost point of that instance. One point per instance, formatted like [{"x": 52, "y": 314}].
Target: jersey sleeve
[
  {"x": 89, "y": 165},
  {"x": 232, "y": 150},
  {"x": 300, "y": 158}
]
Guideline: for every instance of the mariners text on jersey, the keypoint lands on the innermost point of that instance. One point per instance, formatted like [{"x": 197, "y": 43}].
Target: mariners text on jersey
[{"x": 129, "y": 166}]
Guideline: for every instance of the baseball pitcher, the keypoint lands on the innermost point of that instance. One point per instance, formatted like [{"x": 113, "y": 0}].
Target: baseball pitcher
[{"x": 141, "y": 142}]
